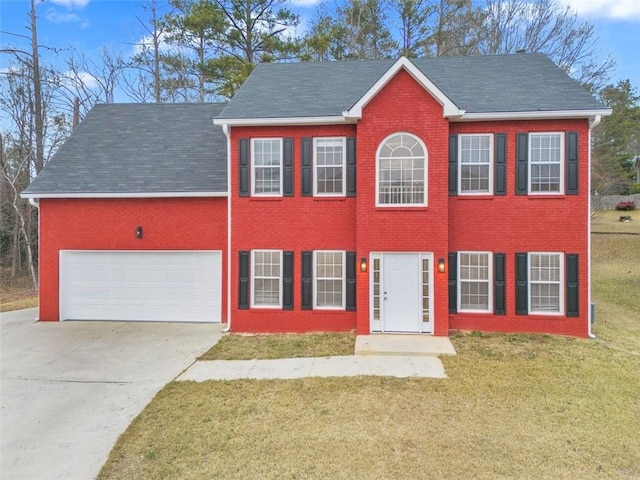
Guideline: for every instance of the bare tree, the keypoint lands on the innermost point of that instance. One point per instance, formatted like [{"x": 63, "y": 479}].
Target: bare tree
[
  {"x": 13, "y": 173},
  {"x": 545, "y": 26},
  {"x": 147, "y": 62}
]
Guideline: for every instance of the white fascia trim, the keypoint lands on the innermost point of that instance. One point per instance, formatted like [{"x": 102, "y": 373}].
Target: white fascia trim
[
  {"x": 449, "y": 108},
  {"x": 259, "y": 122},
  {"x": 126, "y": 195},
  {"x": 537, "y": 115}
]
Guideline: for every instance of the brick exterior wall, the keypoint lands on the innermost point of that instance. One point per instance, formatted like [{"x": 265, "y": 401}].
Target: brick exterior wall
[
  {"x": 501, "y": 224},
  {"x": 294, "y": 224},
  {"x": 524, "y": 223},
  {"x": 109, "y": 224}
]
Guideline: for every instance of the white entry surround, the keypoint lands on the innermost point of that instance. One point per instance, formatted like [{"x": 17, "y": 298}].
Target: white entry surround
[
  {"x": 169, "y": 286},
  {"x": 401, "y": 292}
]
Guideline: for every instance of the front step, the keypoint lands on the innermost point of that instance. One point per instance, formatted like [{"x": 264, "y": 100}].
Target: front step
[{"x": 405, "y": 345}]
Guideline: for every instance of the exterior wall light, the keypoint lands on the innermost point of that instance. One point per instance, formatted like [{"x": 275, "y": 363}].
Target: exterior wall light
[
  {"x": 441, "y": 266},
  {"x": 138, "y": 232},
  {"x": 363, "y": 264}
]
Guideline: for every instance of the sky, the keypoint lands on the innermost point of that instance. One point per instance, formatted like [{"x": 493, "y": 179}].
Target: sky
[{"x": 88, "y": 25}]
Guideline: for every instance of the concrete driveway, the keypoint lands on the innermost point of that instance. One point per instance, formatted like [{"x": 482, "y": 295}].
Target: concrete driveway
[{"x": 68, "y": 390}]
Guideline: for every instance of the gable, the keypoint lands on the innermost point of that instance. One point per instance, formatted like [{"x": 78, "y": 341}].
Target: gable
[{"x": 403, "y": 64}]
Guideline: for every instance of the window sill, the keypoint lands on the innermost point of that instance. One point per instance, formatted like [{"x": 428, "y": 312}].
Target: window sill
[
  {"x": 402, "y": 208},
  {"x": 542, "y": 196},
  {"x": 328, "y": 311},
  {"x": 265, "y": 199},
  {"x": 329, "y": 199},
  {"x": 476, "y": 197}
]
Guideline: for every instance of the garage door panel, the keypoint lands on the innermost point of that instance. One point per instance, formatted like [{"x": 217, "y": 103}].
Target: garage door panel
[{"x": 141, "y": 285}]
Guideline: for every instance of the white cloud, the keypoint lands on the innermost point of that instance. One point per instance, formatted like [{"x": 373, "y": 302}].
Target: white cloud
[
  {"x": 146, "y": 42},
  {"x": 70, "y": 3},
  {"x": 612, "y": 9},
  {"x": 305, "y": 3},
  {"x": 58, "y": 17},
  {"x": 88, "y": 80}
]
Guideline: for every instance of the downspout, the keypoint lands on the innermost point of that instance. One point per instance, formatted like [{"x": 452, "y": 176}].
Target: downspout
[
  {"x": 227, "y": 132},
  {"x": 36, "y": 204},
  {"x": 593, "y": 123}
]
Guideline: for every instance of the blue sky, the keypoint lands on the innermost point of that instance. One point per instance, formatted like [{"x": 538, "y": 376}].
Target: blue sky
[{"x": 87, "y": 25}]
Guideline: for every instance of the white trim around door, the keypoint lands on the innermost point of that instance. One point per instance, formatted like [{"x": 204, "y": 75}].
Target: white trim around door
[{"x": 401, "y": 292}]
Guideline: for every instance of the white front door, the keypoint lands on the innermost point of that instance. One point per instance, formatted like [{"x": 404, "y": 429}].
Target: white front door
[{"x": 401, "y": 292}]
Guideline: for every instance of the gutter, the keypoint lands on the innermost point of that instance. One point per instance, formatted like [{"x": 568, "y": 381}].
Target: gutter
[
  {"x": 593, "y": 123},
  {"x": 227, "y": 132}
]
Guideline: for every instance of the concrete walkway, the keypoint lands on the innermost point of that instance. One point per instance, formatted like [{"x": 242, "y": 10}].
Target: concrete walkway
[{"x": 381, "y": 355}]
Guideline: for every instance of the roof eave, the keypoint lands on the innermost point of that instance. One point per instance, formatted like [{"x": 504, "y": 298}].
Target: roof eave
[
  {"x": 282, "y": 121},
  {"x": 532, "y": 115},
  {"x": 126, "y": 195}
]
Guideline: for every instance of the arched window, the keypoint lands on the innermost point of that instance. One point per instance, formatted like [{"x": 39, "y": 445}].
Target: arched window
[{"x": 402, "y": 171}]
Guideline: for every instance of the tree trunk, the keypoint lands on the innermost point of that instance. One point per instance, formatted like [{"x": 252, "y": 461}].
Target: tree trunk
[{"x": 37, "y": 91}]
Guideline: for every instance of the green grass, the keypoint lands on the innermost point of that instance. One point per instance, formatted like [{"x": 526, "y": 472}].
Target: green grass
[
  {"x": 249, "y": 347},
  {"x": 608, "y": 221},
  {"x": 514, "y": 406},
  {"x": 19, "y": 304}
]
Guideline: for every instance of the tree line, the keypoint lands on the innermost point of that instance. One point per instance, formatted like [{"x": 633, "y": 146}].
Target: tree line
[{"x": 203, "y": 50}]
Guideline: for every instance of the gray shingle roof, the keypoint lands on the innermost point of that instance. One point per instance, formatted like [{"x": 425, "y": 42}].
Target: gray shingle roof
[
  {"x": 480, "y": 84},
  {"x": 140, "y": 148}
]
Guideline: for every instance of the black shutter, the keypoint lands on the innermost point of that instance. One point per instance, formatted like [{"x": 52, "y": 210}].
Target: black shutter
[
  {"x": 499, "y": 300},
  {"x": 287, "y": 280},
  {"x": 522, "y": 167},
  {"x": 522, "y": 274},
  {"x": 453, "y": 282},
  {"x": 500, "y": 174},
  {"x": 572, "y": 162},
  {"x": 243, "y": 284},
  {"x": 287, "y": 167},
  {"x": 351, "y": 167},
  {"x": 243, "y": 157},
  {"x": 572, "y": 285},
  {"x": 351, "y": 282},
  {"x": 307, "y": 167},
  {"x": 453, "y": 164},
  {"x": 307, "y": 280}
]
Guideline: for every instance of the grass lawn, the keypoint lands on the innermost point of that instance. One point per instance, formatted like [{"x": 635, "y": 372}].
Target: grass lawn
[
  {"x": 513, "y": 407},
  {"x": 17, "y": 295},
  {"x": 609, "y": 221},
  {"x": 249, "y": 347}
]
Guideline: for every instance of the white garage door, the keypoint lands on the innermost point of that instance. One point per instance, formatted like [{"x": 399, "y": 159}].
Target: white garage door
[{"x": 169, "y": 286}]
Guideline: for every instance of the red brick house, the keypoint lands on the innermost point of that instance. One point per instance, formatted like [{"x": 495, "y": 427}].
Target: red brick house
[{"x": 408, "y": 196}]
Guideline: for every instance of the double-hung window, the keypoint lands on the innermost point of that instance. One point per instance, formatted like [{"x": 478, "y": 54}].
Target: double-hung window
[
  {"x": 329, "y": 160},
  {"x": 476, "y": 173},
  {"x": 474, "y": 276},
  {"x": 401, "y": 171},
  {"x": 329, "y": 277},
  {"x": 267, "y": 166},
  {"x": 545, "y": 283},
  {"x": 266, "y": 269},
  {"x": 546, "y": 153}
]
